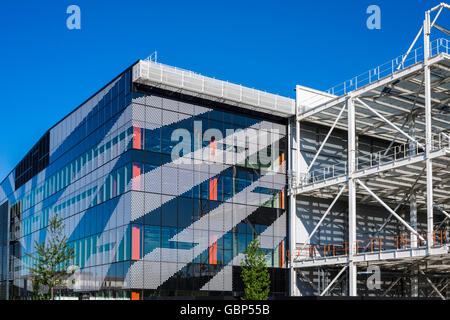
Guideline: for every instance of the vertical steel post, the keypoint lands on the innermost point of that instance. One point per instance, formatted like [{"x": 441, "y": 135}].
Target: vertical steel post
[
  {"x": 429, "y": 164},
  {"x": 293, "y": 158},
  {"x": 351, "y": 196},
  {"x": 412, "y": 199},
  {"x": 292, "y": 203}
]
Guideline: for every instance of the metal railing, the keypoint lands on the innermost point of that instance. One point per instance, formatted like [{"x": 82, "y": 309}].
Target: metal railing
[
  {"x": 437, "y": 46},
  {"x": 438, "y": 239},
  {"x": 194, "y": 82},
  {"x": 391, "y": 155}
]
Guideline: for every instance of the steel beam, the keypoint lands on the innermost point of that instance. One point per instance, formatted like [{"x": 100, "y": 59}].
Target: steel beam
[
  {"x": 293, "y": 163},
  {"x": 325, "y": 140},
  {"x": 432, "y": 285},
  {"x": 428, "y": 124},
  {"x": 390, "y": 210},
  {"x": 333, "y": 281},
  {"x": 323, "y": 217},
  {"x": 387, "y": 121},
  {"x": 351, "y": 196}
]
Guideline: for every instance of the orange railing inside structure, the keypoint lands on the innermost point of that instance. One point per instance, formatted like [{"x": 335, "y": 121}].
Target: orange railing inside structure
[{"x": 396, "y": 242}]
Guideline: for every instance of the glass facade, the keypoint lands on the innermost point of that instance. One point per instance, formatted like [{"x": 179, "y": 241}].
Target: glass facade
[{"x": 160, "y": 195}]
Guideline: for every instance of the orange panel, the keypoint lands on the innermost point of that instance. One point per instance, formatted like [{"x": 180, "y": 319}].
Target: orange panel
[
  {"x": 213, "y": 252},
  {"x": 212, "y": 150},
  {"x": 135, "y": 243},
  {"x": 137, "y": 176},
  {"x": 137, "y": 138},
  {"x": 281, "y": 253},
  {"x": 213, "y": 189},
  {"x": 282, "y": 199},
  {"x": 135, "y": 295}
]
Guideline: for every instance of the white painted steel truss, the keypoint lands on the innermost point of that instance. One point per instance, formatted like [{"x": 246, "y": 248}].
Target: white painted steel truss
[{"x": 415, "y": 168}]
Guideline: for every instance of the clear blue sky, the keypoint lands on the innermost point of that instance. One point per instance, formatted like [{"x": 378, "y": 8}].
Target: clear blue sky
[{"x": 48, "y": 70}]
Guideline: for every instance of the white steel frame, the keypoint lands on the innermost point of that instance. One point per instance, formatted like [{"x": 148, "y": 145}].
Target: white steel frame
[{"x": 428, "y": 158}]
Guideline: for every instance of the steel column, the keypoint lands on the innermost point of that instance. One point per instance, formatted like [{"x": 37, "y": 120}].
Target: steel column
[
  {"x": 428, "y": 124},
  {"x": 412, "y": 198},
  {"x": 351, "y": 196},
  {"x": 293, "y": 163}
]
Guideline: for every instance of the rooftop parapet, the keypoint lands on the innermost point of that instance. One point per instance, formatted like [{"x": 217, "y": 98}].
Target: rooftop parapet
[{"x": 170, "y": 78}]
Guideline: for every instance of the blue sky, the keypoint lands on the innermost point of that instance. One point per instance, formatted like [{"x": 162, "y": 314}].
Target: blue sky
[{"x": 48, "y": 70}]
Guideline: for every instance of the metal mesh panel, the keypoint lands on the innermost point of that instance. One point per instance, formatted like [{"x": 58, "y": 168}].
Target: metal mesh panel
[
  {"x": 186, "y": 108},
  {"x": 216, "y": 220},
  {"x": 152, "y": 202},
  {"x": 138, "y": 112},
  {"x": 153, "y": 115},
  {"x": 167, "y": 270},
  {"x": 186, "y": 255},
  {"x": 186, "y": 180},
  {"x": 228, "y": 216},
  {"x": 169, "y": 117},
  {"x": 140, "y": 99},
  {"x": 137, "y": 275},
  {"x": 170, "y": 181},
  {"x": 153, "y": 101},
  {"x": 152, "y": 275},
  {"x": 137, "y": 205},
  {"x": 169, "y": 104},
  {"x": 168, "y": 255},
  {"x": 228, "y": 278},
  {"x": 280, "y": 226},
  {"x": 152, "y": 180}
]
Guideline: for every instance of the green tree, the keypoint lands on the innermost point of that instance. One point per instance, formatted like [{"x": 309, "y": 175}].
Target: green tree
[
  {"x": 255, "y": 275},
  {"x": 51, "y": 260}
]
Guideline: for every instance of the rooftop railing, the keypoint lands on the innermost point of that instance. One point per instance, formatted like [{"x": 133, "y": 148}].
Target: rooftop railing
[
  {"x": 415, "y": 56},
  {"x": 194, "y": 82}
]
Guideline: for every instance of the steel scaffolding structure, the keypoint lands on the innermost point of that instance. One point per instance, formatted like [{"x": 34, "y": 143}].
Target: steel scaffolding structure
[{"x": 410, "y": 108}]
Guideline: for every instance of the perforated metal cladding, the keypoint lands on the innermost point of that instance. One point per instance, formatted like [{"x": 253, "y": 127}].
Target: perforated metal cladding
[
  {"x": 137, "y": 275},
  {"x": 153, "y": 115},
  {"x": 170, "y": 181},
  {"x": 185, "y": 179},
  {"x": 138, "y": 112},
  {"x": 152, "y": 202},
  {"x": 154, "y": 101},
  {"x": 279, "y": 228},
  {"x": 169, "y": 104},
  {"x": 137, "y": 205},
  {"x": 212, "y": 216},
  {"x": 152, "y": 180},
  {"x": 152, "y": 275},
  {"x": 167, "y": 270},
  {"x": 169, "y": 117}
]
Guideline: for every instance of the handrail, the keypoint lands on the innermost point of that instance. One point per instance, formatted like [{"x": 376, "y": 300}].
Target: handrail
[
  {"x": 400, "y": 152},
  {"x": 438, "y": 239},
  {"x": 397, "y": 64}
]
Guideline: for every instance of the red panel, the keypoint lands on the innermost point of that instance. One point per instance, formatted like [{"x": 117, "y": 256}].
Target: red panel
[
  {"x": 281, "y": 197},
  {"x": 281, "y": 253},
  {"x": 135, "y": 295},
  {"x": 135, "y": 243},
  {"x": 212, "y": 150},
  {"x": 137, "y": 138},
  {"x": 213, "y": 189},
  {"x": 137, "y": 171},
  {"x": 114, "y": 188},
  {"x": 213, "y": 251}
]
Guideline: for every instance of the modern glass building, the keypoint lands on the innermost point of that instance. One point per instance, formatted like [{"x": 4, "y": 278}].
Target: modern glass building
[{"x": 162, "y": 179}]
